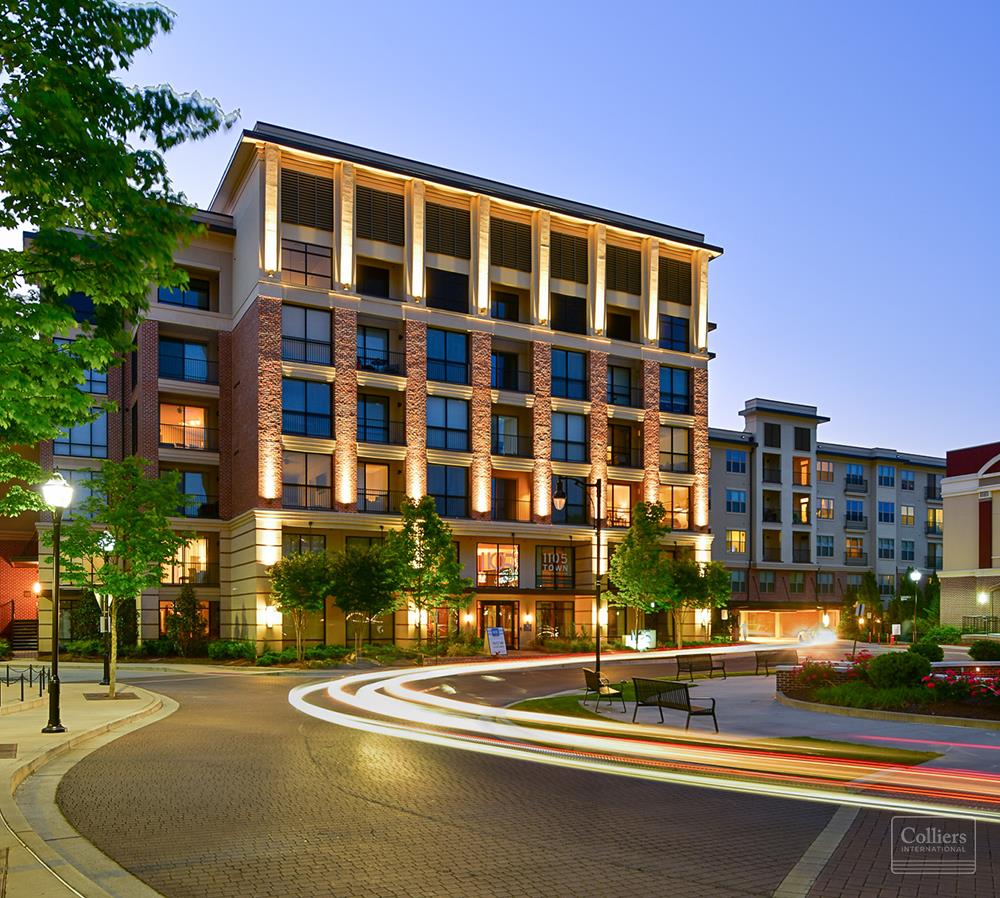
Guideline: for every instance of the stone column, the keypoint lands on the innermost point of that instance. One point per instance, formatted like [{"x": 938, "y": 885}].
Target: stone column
[
  {"x": 414, "y": 256},
  {"x": 599, "y": 421},
  {"x": 148, "y": 395},
  {"x": 480, "y": 263},
  {"x": 344, "y": 217},
  {"x": 541, "y": 429},
  {"x": 345, "y": 409},
  {"x": 225, "y": 424},
  {"x": 700, "y": 451},
  {"x": 699, "y": 310},
  {"x": 415, "y": 340},
  {"x": 272, "y": 218},
  {"x": 650, "y": 309},
  {"x": 651, "y": 430},
  {"x": 597, "y": 253},
  {"x": 540, "y": 249},
  {"x": 480, "y": 426}
]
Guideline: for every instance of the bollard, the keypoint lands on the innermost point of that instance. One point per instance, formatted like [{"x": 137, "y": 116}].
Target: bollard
[{"x": 22, "y": 686}]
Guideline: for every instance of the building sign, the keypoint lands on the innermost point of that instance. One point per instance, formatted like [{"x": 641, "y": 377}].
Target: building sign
[
  {"x": 495, "y": 641},
  {"x": 554, "y": 567}
]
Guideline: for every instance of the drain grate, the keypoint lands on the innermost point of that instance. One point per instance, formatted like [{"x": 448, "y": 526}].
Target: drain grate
[
  {"x": 8, "y": 750},
  {"x": 103, "y": 696}
]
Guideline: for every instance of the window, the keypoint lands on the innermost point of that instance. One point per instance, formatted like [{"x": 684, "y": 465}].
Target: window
[
  {"x": 497, "y": 565},
  {"x": 620, "y": 386},
  {"x": 736, "y": 541},
  {"x": 935, "y": 521},
  {"x": 447, "y": 424},
  {"x": 569, "y": 313},
  {"x": 305, "y": 408},
  {"x": 181, "y": 360},
  {"x": 362, "y": 542},
  {"x": 305, "y": 264},
  {"x": 447, "y": 230},
  {"x": 766, "y": 581},
  {"x": 575, "y": 510},
  {"x": 675, "y": 449},
  {"x": 196, "y": 295},
  {"x": 619, "y": 504},
  {"x": 854, "y": 582},
  {"x": 190, "y": 564},
  {"x": 675, "y": 390},
  {"x": 886, "y": 475},
  {"x": 886, "y": 548},
  {"x": 79, "y": 479},
  {"x": 906, "y": 515},
  {"x": 934, "y": 556},
  {"x": 736, "y": 501},
  {"x": 305, "y": 480},
  {"x": 510, "y": 244},
  {"x": 447, "y": 290},
  {"x": 772, "y": 436},
  {"x": 554, "y": 620},
  {"x": 855, "y": 473},
  {"x": 373, "y": 351},
  {"x": 569, "y": 437},
  {"x": 306, "y": 200},
  {"x": 803, "y": 439},
  {"x": 88, "y": 440},
  {"x": 677, "y": 501},
  {"x": 554, "y": 569},
  {"x": 568, "y": 257},
  {"x": 855, "y": 510},
  {"x": 198, "y": 502},
  {"x": 447, "y": 356},
  {"x": 824, "y": 510},
  {"x": 569, "y": 374},
  {"x": 208, "y": 617},
  {"x": 621, "y": 451},
  {"x": 94, "y": 381},
  {"x": 906, "y": 550},
  {"x": 824, "y": 471},
  {"x": 824, "y": 546},
  {"x": 824, "y": 583},
  {"x": 886, "y": 584},
  {"x": 800, "y": 509},
  {"x": 504, "y": 373},
  {"x": 373, "y": 420},
  {"x": 854, "y": 548},
  {"x": 305, "y": 335},
  {"x": 623, "y": 269},
  {"x": 619, "y": 326},
  {"x": 675, "y": 281},
  {"x": 378, "y": 215},
  {"x": 294, "y": 543},
  {"x": 908, "y": 480},
  {"x": 887, "y": 512},
  {"x": 374, "y": 280},
  {"x": 736, "y": 461},
  {"x": 674, "y": 333},
  {"x": 505, "y": 306},
  {"x": 797, "y": 582},
  {"x": 450, "y": 488},
  {"x": 738, "y": 581},
  {"x": 800, "y": 471},
  {"x": 373, "y": 489}
]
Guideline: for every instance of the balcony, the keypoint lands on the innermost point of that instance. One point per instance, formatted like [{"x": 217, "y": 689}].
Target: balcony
[
  {"x": 933, "y": 562},
  {"x": 856, "y": 559},
  {"x": 195, "y": 371},
  {"x": 200, "y": 507},
  {"x": 446, "y": 371},
  {"x": 379, "y": 501},
  {"x": 932, "y": 528},
  {"x": 189, "y": 436},
  {"x": 856, "y": 522},
  {"x": 799, "y": 518},
  {"x": 629, "y": 397},
  {"x": 313, "y": 352},
  {"x": 771, "y": 516},
  {"x": 624, "y": 456},
  {"x": 514, "y": 381},
  {"x": 932, "y": 493},
  {"x": 802, "y": 556},
  {"x": 855, "y": 485},
  {"x": 381, "y": 361},
  {"x": 981, "y": 623},
  {"x": 392, "y": 433},
  {"x": 514, "y": 445},
  {"x": 516, "y": 510},
  {"x": 771, "y": 553},
  {"x": 675, "y": 462},
  {"x": 197, "y": 573},
  {"x": 771, "y": 475},
  {"x": 619, "y": 518},
  {"x": 305, "y": 495}
]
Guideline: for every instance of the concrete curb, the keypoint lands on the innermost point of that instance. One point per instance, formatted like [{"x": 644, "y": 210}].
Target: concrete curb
[
  {"x": 14, "y": 707},
  {"x": 897, "y": 716}
]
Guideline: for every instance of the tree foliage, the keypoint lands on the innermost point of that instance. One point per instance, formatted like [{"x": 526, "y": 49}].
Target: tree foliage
[
  {"x": 301, "y": 583},
  {"x": 81, "y": 166},
  {"x": 185, "y": 624},
  {"x": 367, "y": 582}
]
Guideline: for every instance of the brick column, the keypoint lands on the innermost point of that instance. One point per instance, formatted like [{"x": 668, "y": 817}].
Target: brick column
[
  {"x": 148, "y": 395},
  {"x": 415, "y": 341},
  {"x": 117, "y": 447},
  {"x": 700, "y": 452},
  {"x": 541, "y": 429},
  {"x": 480, "y": 425},
  {"x": 345, "y": 409},
  {"x": 225, "y": 349},
  {"x": 651, "y": 430},
  {"x": 599, "y": 420}
]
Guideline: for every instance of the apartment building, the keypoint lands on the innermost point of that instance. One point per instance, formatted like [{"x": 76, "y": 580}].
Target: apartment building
[
  {"x": 970, "y": 580},
  {"x": 360, "y": 327},
  {"x": 798, "y": 522}
]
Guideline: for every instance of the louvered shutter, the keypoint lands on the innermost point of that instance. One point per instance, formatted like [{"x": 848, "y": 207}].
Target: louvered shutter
[
  {"x": 447, "y": 231},
  {"x": 378, "y": 215},
  {"x": 510, "y": 244},
  {"x": 306, "y": 199},
  {"x": 568, "y": 258},
  {"x": 675, "y": 281},
  {"x": 623, "y": 270}
]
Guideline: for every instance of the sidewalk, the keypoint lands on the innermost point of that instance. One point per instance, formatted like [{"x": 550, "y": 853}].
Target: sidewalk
[{"x": 29, "y": 867}]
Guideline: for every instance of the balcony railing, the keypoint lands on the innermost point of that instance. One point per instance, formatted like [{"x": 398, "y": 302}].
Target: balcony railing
[
  {"x": 447, "y": 371},
  {"x": 932, "y": 493},
  {"x": 379, "y": 501},
  {"x": 515, "y": 381},
  {"x": 771, "y": 553},
  {"x": 200, "y": 507},
  {"x": 306, "y": 424},
  {"x": 799, "y": 518},
  {"x": 570, "y": 388},
  {"x": 981, "y": 623},
  {"x": 801, "y": 556},
  {"x": 859, "y": 559},
  {"x": 856, "y": 522},
  {"x": 855, "y": 485},
  {"x": 799, "y": 479},
  {"x": 771, "y": 516},
  {"x": 518, "y": 445},
  {"x": 305, "y": 495},
  {"x": 676, "y": 463},
  {"x": 619, "y": 517},
  {"x": 518, "y": 510},
  {"x": 392, "y": 433},
  {"x": 382, "y": 361},
  {"x": 771, "y": 475},
  {"x": 630, "y": 397},
  {"x": 624, "y": 457},
  {"x": 198, "y": 371},
  {"x": 932, "y": 528},
  {"x": 203, "y": 573},
  {"x": 933, "y": 562},
  {"x": 315, "y": 352},
  {"x": 188, "y": 436}
]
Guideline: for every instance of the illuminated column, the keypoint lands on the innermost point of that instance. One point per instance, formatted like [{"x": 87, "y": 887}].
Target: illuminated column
[
  {"x": 599, "y": 420},
  {"x": 480, "y": 265},
  {"x": 541, "y": 476},
  {"x": 225, "y": 425},
  {"x": 414, "y": 199},
  {"x": 699, "y": 312},
  {"x": 480, "y": 426},
  {"x": 345, "y": 225},
  {"x": 700, "y": 452},
  {"x": 415, "y": 339},
  {"x": 597, "y": 252},
  {"x": 272, "y": 180},
  {"x": 268, "y": 430},
  {"x": 540, "y": 249},
  {"x": 650, "y": 323},
  {"x": 651, "y": 430},
  {"x": 148, "y": 395},
  {"x": 345, "y": 408}
]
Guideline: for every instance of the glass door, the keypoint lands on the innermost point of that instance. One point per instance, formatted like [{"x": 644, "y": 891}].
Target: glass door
[{"x": 499, "y": 614}]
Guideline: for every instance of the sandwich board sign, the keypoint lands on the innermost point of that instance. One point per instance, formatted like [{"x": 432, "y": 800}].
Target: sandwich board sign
[{"x": 495, "y": 641}]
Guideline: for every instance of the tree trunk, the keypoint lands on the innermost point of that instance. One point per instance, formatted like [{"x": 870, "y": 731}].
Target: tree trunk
[
  {"x": 113, "y": 666},
  {"x": 678, "y": 615},
  {"x": 299, "y": 618}
]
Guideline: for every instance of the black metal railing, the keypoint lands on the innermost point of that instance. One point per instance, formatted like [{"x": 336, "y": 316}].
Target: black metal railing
[
  {"x": 516, "y": 444},
  {"x": 932, "y": 493},
  {"x": 200, "y": 507},
  {"x": 799, "y": 518},
  {"x": 800, "y": 479},
  {"x": 771, "y": 516},
  {"x": 203, "y": 573},
  {"x": 515, "y": 381},
  {"x": 188, "y": 436},
  {"x": 630, "y": 397},
  {"x": 771, "y": 553},
  {"x": 382, "y": 361},
  {"x": 933, "y": 562},
  {"x": 855, "y": 485},
  {"x": 801, "y": 556},
  {"x": 675, "y": 405},
  {"x": 306, "y": 495},
  {"x": 448, "y": 372},
  {"x": 518, "y": 510},
  {"x": 445, "y": 438},
  {"x": 981, "y": 623},
  {"x": 771, "y": 475},
  {"x": 379, "y": 501},
  {"x": 569, "y": 388},
  {"x": 619, "y": 517},
  {"x": 199, "y": 371},
  {"x": 624, "y": 456},
  {"x": 855, "y": 522},
  {"x": 314, "y": 352},
  {"x": 675, "y": 462},
  {"x": 859, "y": 559},
  {"x": 306, "y": 424},
  {"x": 390, "y": 432},
  {"x": 33, "y": 677},
  {"x": 932, "y": 528}
]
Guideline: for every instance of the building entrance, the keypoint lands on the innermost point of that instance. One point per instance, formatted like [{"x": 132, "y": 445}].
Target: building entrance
[{"x": 499, "y": 614}]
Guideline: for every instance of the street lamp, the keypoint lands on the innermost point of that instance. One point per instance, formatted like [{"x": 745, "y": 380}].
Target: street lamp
[
  {"x": 58, "y": 495},
  {"x": 983, "y": 598},
  {"x": 106, "y": 542},
  {"x": 559, "y": 503},
  {"x": 915, "y": 576}
]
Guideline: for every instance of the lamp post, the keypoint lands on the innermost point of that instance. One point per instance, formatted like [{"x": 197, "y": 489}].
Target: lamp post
[
  {"x": 107, "y": 544},
  {"x": 983, "y": 598},
  {"x": 559, "y": 503},
  {"x": 915, "y": 576},
  {"x": 57, "y": 494}
]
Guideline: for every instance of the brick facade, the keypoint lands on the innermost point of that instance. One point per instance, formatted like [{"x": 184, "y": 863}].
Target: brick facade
[
  {"x": 415, "y": 342},
  {"x": 480, "y": 426},
  {"x": 541, "y": 378},
  {"x": 598, "y": 437},
  {"x": 226, "y": 414},
  {"x": 651, "y": 431},
  {"x": 959, "y": 598},
  {"x": 701, "y": 453},
  {"x": 16, "y": 582},
  {"x": 345, "y": 409},
  {"x": 148, "y": 395}
]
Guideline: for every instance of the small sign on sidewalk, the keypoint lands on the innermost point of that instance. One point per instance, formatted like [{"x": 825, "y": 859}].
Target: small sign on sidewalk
[{"x": 495, "y": 641}]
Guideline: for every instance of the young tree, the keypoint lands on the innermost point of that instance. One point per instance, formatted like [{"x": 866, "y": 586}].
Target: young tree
[
  {"x": 367, "y": 582},
  {"x": 301, "y": 584},
  {"x": 120, "y": 538},
  {"x": 185, "y": 625},
  {"x": 81, "y": 165},
  {"x": 639, "y": 571},
  {"x": 432, "y": 575}
]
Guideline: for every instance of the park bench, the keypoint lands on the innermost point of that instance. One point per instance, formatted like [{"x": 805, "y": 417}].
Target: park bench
[
  {"x": 769, "y": 658},
  {"x": 669, "y": 694},
  {"x": 600, "y": 685},
  {"x": 698, "y": 662}
]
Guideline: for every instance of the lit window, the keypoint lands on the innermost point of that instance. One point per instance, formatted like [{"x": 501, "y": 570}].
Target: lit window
[{"x": 497, "y": 565}]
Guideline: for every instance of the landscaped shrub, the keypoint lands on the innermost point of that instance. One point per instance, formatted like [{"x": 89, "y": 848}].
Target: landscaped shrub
[
  {"x": 85, "y": 647},
  {"x": 231, "y": 650},
  {"x": 4, "y": 648},
  {"x": 930, "y": 650},
  {"x": 162, "y": 647},
  {"x": 327, "y": 652},
  {"x": 270, "y": 658},
  {"x": 861, "y": 695},
  {"x": 815, "y": 674},
  {"x": 985, "y": 650},
  {"x": 942, "y": 635},
  {"x": 895, "y": 669}
]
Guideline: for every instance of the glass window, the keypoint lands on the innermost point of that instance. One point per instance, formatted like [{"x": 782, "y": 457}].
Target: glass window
[
  {"x": 886, "y": 548},
  {"x": 906, "y": 550},
  {"x": 886, "y": 475},
  {"x": 79, "y": 479},
  {"x": 620, "y": 386},
  {"x": 555, "y": 568},
  {"x": 182, "y": 360},
  {"x": 569, "y": 313},
  {"x": 88, "y": 440},
  {"x": 803, "y": 439},
  {"x": 505, "y": 306},
  {"x": 736, "y": 461},
  {"x": 305, "y": 335},
  {"x": 766, "y": 581},
  {"x": 305, "y": 408},
  {"x": 575, "y": 511},
  {"x": 853, "y": 582},
  {"x": 906, "y": 515},
  {"x": 855, "y": 473},
  {"x": 675, "y": 390},
  {"x": 797, "y": 582},
  {"x": 619, "y": 505},
  {"x": 855, "y": 510},
  {"x": 887, "y": 512},
  {"x": 197, "y": 294},
  {"x": 447, "y": 290},
  {"x": 824, "y": 471},
  {"x": 449, "y": 486},
  {"x": 497, "y": 565},
  {"x": 772, "y": 436},
  {"x": 886, "y": 584},
  {"x": 854, "y": 547},
  {"x": 736, "y": 501},
  {"x": 94, "y": 381},
  {"x": 184, "y": 427},
  {"x": 824, "y": 546},
  {"x": 569, "y": 374},
  {"x": 824, "y": 583},
  {"x": 373, "y": 488},
  {"x": 736, "y": 541},
  {"x": 447, "y": 356},
  {"x": 305, "y": 480},
  {"x": 674, "y": 333},
  {"x": 675, "y": 449},
  {"x": 373, "y": 419},
  {"x": 569, "y": 437},
  {"x": 293, "y": 543},
  {"x": 677, "y": 501},
  {"x": 935, "y": 520},
  {"x": 738, "y": 581},
  {"x": 374, "y": 280},
  {"x": 824, "y": 510},
  {"x": 305, "y": 264},
  {"x": 447, "y": 423},
  {"x": 554, "y": 620},
  {"x": 504, "y": 374},
  {"x": 190, "y": 564},
  {"x": 907, "y": 480}
]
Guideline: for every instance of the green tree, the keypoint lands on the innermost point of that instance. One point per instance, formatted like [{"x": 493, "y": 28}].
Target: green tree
[
  {"x": 85, "y": 617},
  {"x": 929, "y": 609},
  {"x": 367, "y": 582},
  {"x": 300, "y": 584},
  {"x": 120, "y": 539},
  {"x": 81, "y": 165},
  {"x": 696, "y": 585},
  {"x": 185, "y": 625},
  {"x": 640, "y": 573},
  {"x": 432, "y": 575}
]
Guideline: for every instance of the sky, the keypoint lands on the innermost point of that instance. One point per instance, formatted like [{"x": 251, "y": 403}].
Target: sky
[{"x": 845, "y": 155}]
